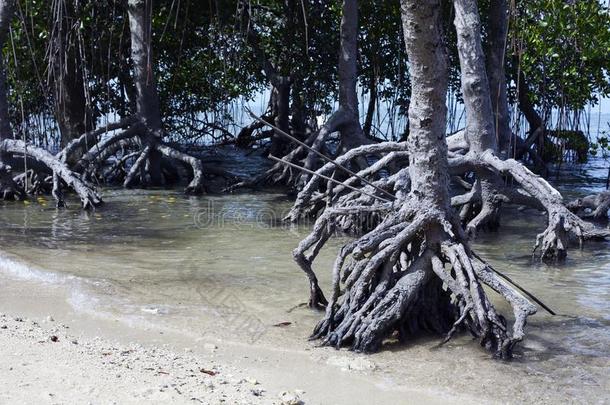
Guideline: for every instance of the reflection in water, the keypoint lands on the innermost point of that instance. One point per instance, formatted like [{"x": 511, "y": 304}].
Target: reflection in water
[{"x": 224, "y": 263}]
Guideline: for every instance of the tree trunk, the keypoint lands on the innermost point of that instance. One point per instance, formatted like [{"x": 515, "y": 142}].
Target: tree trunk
[
  {"x": 414, "y": 271},
  {"x": 6, "y": 16},
  {"x": 496, "y": 58},
  {"x": 73, "y": 116},
  {"x": 346, "y": 119},
  {"x": 480, "y": 130},
  {"x": 281, "y": 91},
  {"x": 147, "y": 99},
  {"x": 298, "y": 116},
  {"x": 562, "y": 224},
  {"x": 536, "y": 123},
  {"x": 427, "y": 110},
  {"x": 351, "y": 132},
  {"x": 8, "y": 188},
  {"x": 284, "y": 80},
  {"x": 370, "y": 111},
  {"x": 280, "y": 83}
]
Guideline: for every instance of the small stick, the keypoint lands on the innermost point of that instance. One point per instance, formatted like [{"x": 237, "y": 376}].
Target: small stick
[
  {"x": 327, "y": 178},
  {"x": 523, "y": 290},
  {"x": 323, "y": 156}
]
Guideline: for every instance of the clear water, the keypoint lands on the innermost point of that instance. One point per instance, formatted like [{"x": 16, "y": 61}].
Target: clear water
[{"x": 223, "y": 263}]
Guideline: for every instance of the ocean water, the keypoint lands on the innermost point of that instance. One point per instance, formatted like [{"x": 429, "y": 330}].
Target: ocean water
[{"x": 222, "y": 265}]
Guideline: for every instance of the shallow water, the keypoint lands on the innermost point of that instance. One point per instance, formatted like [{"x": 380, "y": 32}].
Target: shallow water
[{"x": 221, "y": 265}]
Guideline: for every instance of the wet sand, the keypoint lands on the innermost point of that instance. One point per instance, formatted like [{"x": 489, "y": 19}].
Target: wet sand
[{"x": 53, "y": 355}]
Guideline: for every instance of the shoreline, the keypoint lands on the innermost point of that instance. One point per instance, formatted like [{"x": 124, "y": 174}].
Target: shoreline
[
  {"x": 282, "y": 361},
  {"x": 112, "y": 361}
]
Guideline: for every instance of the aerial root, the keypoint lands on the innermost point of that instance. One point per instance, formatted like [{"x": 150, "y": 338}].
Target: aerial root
[
  {"x": 405, "y": 282},
  {"x": 467, "y": 275},
  {"x": 553, "y": 242},
  {"x": 366, "y": 279},
  {"x": 91, "y": 137},
  {"x": 196, "y": 184},
  {"x": 89, "y": 197},
  {"x": 328, "y": 223},
  {"x": 9, "y": 189},
  {"x": 132, "y": 128},
  {"x": 486, "y": 201},
  {"x": 129, "y": 129},
  {"x": 314, "y": 241},
  {"x": 564, "y": 226},
  {"x": 593, "y": 206},
  {"x": 137, "y": 167},
  {"x": 119, "y": 168},
  {"x": 534, "y": 191},
  {"x": 309, "y": 197}
]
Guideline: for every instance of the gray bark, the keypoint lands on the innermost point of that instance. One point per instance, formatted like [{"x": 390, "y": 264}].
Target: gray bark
[
  {"x": 346, "y": 119},
  {"x": 6, "y": 16},
  {"x": 73, "y": 116},
  {"x": 347, "y": 67},
  {"x": 352, "y": 134},
  {"x": 391, "y": 278},
  {"x": 427, "y": 147},
  {"x": 480, "y": 131},
  {"x": 8, "y": 188},
  {"x": 147, "y": 99},
  {"x": 496, "y": 58}
]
